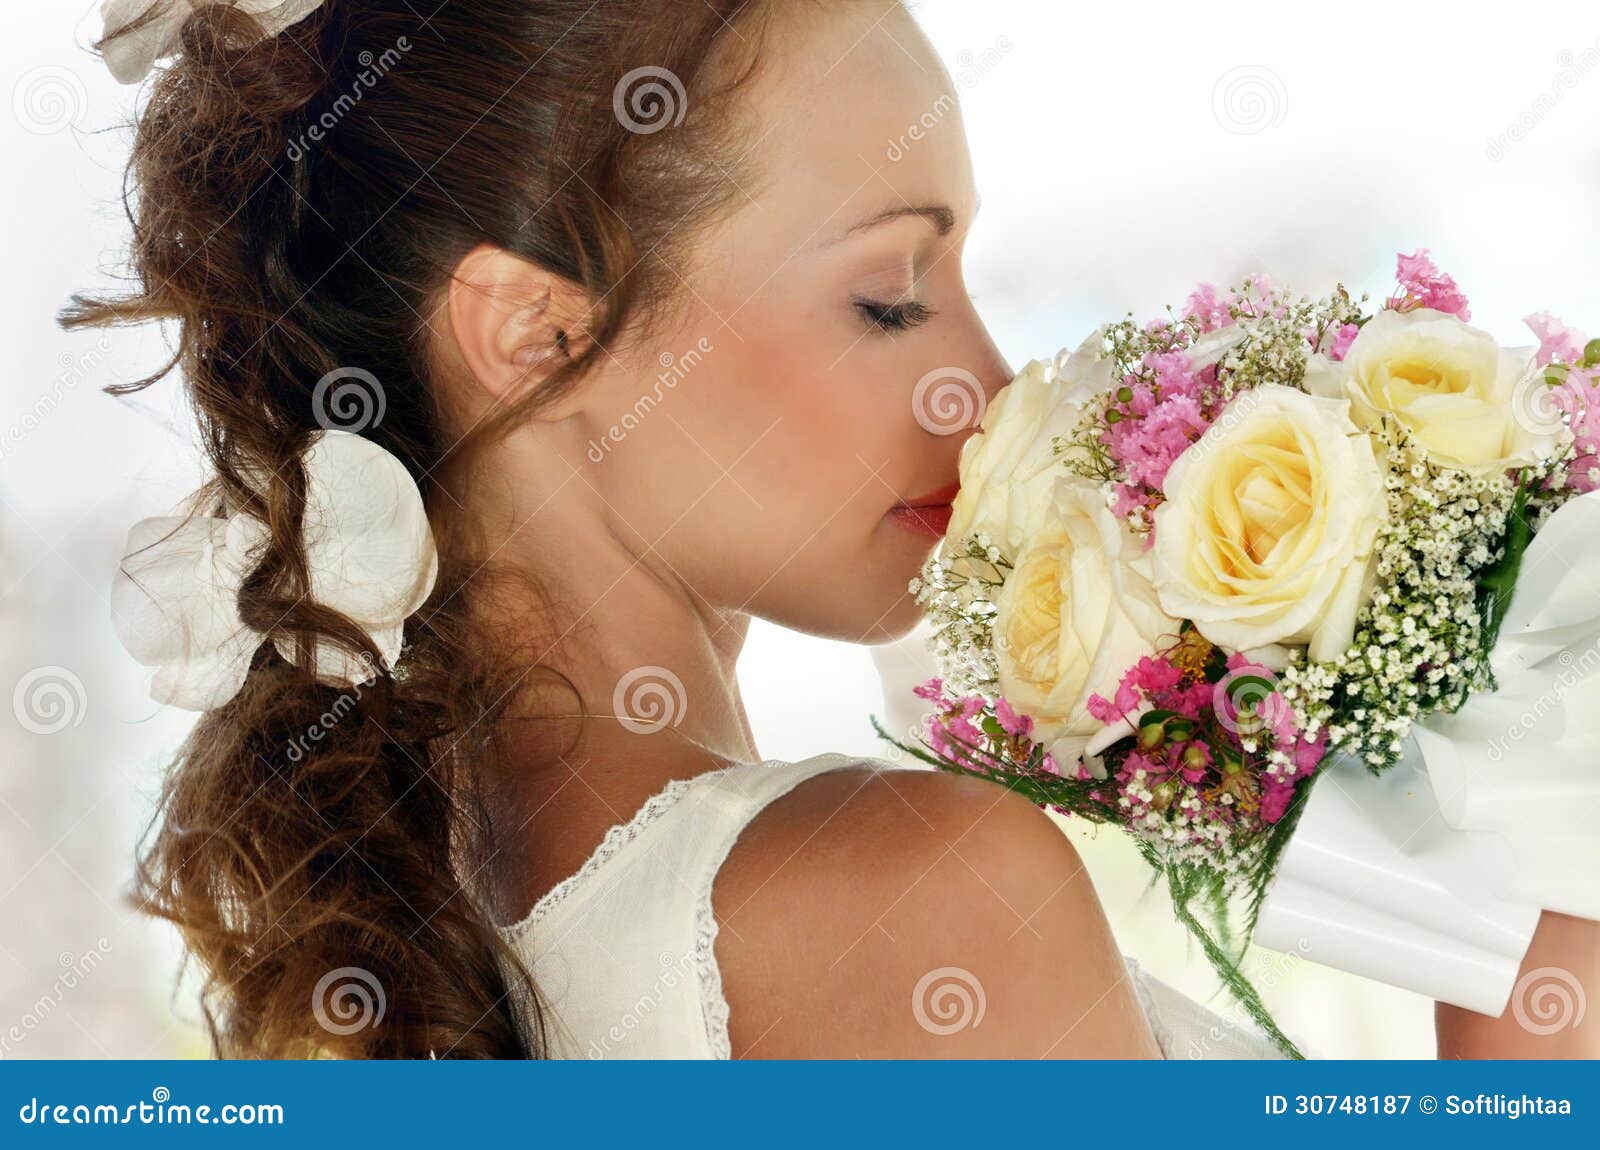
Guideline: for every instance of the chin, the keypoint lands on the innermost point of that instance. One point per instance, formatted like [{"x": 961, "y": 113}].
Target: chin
[
  {"x": 887, "y": 633},
  {"x": 866, "y": 613},
  {"x": 899, "y": 622}
]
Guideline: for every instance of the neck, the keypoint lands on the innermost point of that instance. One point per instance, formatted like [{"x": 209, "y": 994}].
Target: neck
[{"x": 647, "y": 687}]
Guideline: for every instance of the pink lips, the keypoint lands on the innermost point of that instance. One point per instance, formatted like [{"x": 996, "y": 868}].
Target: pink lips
[
  {"x": 930, "y": 521},
  {"x": 927, "y": 515}
]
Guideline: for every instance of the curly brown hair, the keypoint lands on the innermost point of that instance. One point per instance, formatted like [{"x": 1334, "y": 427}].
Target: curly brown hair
[{"x": 299, "y": 204}]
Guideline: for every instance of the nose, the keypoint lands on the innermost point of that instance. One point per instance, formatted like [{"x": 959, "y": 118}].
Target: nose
[
  {"x": 993, "y": 372},
  {"x": 982, "y": 373}
]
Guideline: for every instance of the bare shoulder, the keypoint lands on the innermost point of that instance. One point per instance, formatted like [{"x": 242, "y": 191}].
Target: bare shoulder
[{"x": 886, "y": 913}]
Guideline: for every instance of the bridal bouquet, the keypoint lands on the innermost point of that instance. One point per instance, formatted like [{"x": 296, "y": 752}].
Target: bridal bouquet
[{"x": 1194, "y": 557}]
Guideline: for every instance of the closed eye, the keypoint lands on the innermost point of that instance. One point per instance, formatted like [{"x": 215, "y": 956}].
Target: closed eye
[{"x": 894, "y": 316}]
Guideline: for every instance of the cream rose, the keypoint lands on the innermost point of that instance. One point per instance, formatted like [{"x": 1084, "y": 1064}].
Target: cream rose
[
  {"x": 1452, "y": 386},
  {"x": 1008, "y": 470},
  {"x": 1075, "y": 613},
  {"x": 1268, "y": 528}
]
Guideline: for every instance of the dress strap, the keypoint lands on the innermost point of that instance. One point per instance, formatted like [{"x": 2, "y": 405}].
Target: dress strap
[{"x": 742, "y": 794}]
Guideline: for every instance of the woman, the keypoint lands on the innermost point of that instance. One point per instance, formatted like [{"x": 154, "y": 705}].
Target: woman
[{"x": 641, "y": 303}]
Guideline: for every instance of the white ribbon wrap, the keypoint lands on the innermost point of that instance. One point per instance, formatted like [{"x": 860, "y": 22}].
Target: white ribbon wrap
[{"x": 1432, "y": 877}]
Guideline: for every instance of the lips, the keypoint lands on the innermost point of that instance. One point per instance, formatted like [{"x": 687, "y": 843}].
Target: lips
[
  {"x": 927, "y": 514},
  {"x": 940, "y": 498},
  {"x": 930, "y": 521}
]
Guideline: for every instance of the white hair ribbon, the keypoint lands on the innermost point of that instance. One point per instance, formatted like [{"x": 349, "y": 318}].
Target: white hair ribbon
[
  {"x": 131, "y": 56},
  {"x": 368, "y": 547}
]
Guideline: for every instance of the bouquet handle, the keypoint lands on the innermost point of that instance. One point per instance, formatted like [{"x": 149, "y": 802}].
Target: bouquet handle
[
  {"x": 1432, "y": 876},
  {"x": 1376, "y": 883}
]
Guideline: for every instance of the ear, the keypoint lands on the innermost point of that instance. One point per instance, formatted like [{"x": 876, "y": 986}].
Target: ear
[{"x": 513, "y": 322}]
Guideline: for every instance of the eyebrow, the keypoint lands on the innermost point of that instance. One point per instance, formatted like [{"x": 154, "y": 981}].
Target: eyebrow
[{"x": 940, "y": 216}]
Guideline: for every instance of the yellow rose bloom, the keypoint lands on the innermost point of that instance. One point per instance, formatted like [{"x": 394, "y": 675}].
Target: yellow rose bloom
[{"x": 1267, "y": 532}]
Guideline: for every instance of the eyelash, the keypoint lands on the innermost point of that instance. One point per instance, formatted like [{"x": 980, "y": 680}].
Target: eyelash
[{"x": 894, "y": 316}]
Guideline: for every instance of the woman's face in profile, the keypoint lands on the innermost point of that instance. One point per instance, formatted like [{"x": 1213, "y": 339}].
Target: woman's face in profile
[{"x": 826, "y": 364}]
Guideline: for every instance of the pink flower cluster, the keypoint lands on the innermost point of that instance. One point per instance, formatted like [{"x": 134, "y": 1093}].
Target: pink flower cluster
[
  {"x": 1557, "y": 341},
  {"x": 1422, "y": 284},
  {"x": 955, "y": 732},
  {"x": 1581, "y": 400},
  {"x": 1162, "y": 409},
  {"x": 1188, "y": 757},
  {"x": 1164, "y": 405},
  {"x": 1342, "y": 339},
  {"x": 1159, "y": 413},
  {"x": 1577, "y": 394},
  {"x": 1155, "y": 682},
  {"x": 1155, "y": 425}
]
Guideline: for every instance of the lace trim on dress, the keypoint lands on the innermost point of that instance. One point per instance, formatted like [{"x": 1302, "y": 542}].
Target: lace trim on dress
[
  {"x": 713, "y": 1003},
  {"x": 615, "y": 839}
]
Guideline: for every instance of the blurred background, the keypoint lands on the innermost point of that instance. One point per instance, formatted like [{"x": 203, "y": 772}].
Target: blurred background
[{"x": 1123, "y": 151}]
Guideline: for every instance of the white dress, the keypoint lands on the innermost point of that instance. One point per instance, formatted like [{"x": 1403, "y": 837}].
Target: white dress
[{"x": 623, "y": 951}]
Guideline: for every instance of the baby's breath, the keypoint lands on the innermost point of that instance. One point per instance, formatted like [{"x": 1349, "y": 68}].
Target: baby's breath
[
  {"x": 1419, "y": 643},
  {"x": 956, "y": 589}
]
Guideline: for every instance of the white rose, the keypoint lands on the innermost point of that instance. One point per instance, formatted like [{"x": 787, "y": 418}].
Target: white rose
[
  {"x": 1472, "y": 404},
  {"x": 1085, "y": 372},
  {"x": 1009, "y": 470},
  {"x": 1076, "y": 612},
  {"x": 1267, "y": 532},
  {"x": 1324, "y": 377}
]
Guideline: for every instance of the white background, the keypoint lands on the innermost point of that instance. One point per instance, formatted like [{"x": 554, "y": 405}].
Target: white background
[{"x": 1123, "y": 151}]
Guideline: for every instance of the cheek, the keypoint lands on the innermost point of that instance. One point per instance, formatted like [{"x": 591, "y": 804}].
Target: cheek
[
  {"x": 824, "y": 424},
  {"x": 764, "y": 478}
]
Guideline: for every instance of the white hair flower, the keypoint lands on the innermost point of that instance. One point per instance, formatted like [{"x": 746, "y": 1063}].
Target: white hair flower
[
  {"x": 131, "y": 55},
  {"x": 368, "y": 547}
]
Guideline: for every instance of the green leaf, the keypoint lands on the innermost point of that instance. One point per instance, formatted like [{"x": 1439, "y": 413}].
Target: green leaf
[{"x": 1499, "y": 581}]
